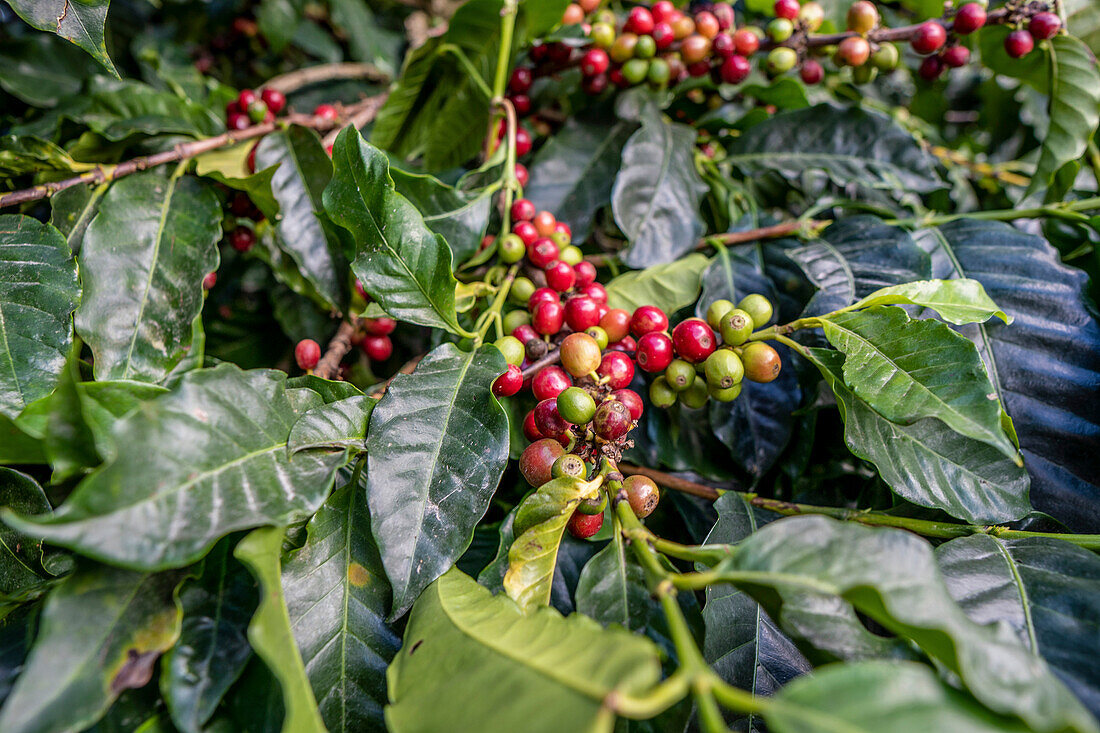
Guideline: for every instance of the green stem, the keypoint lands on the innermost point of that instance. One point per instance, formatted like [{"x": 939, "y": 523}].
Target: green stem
[
  {"x": 498, "y": 304},
  {"x": 1062, "y": 210},
  {"x": 666, "y": 694},
  {"x": 469, "y": 67},
  {"x": 504, "y": 57}
]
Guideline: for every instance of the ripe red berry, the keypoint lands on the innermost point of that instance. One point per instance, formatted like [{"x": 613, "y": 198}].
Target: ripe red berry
[
  {"x": 582, "y": 526},
  {"x": 654, "y": 352},
  {"x": 612, "y": 420},
  {"x": 616, "y": 323},
  {"x": 640, "y": 21},
  {"x": 930, "y": 68},
  {"x": 595, "y": 61},
  {"x": 955, "y": 56},
  {"x": 787, "y": 9},
  {"x": 706, "y": 24},
  {"x": 537, "y": 460},
  {"x": 543, "y": 252},
  {"x": 812, "y": 72},
  {"x": 530, "y": 430},
  {"x": 242, "y": 239},
  {"x": 524, "y": 333},
  {"x": 724, "y": 13},
  {"x": 648, "y": 318},
  {"x": 586, "y": 273},
  {"x": 550, "y": 382},
  {"x": 379, "y": 326},
  {"x": 521, "y": 174},
  {"x": 545, "y": 223},
  {"x": 274, "y": 99},
  {"x": 581, "y": 313},
  {"x": 523, "y": 210},
  {"x": 548, "y": 318},
  {"x": 526, "y": 231},
  {"x": 509, "y": 383},
  {"x": 237, "y": 121},
  {"x": 929, "y": 38},
  {"x": 735, "y": 69},
  {"x": 521, "y": 103},
  {"x": 1044, "y": 25},
  {"x": 746, "y": 42},
  {"x": 664, "y": 11},
  {"x": 970, "y": 18},
  {"x": 548, "y": 420},
  {"x": 723, "y": 44},
  {"x": 1019, "y": 43},
  {"x": 245, "y": 99},
  {"x": 210, "y": 281},
  {"x": 377, "y": 348},
  {"x": 596, "y": 292},
  {"x": 521, "y": 80},
  {"x": 604, "y": 308},
  {"x": 252, "y": 158},
  {"x": 631, "y": 399},
  {"x": 540, "y": 296},
  {"x": 325, "y": 112},
  {"x": 361, "y": 291},
  {"x": 560, "y": 276},
  {"x": 694, "y": 340},
  {"x": 594, "y": 85},
  {"x": 618, "y": 367},
  {"x": 663, "y": 35},
  {"x": 626, "y": 344},
  {"x": 523, "y": 141},
  {"x": 307, "y": 353}
]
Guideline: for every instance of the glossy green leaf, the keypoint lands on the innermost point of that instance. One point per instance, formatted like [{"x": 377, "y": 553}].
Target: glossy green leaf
[
  {"x": 270, "y": 632},
  {"x": 870, "y": 697},
  {"x": 73, "y": 209},
  {"x": 538, "y": 528},
  {"x": 657, "y": 193},
  {"x": 1046, "y": 590},
  {"x": 70, "y": 443},
  {"x": 459, "y": 217},
  {"x": 573, "y": 173},
  {"x": 206, "y": 460},
  {"x": 891, "y": 576},
  {"x": 956, "y": 301},
  {"x": 78, "y": 21},
  {"x": 474, "y": 661},
  {"x": 612, "y": 588},
  {"x": 213, "y": 647},
  {"x": 906, "y": 370},
  {"x": 670, "y": 287},
  {"x": 17, "y": 632},
  {"x": 120, "y": 108},
  {"x": 340, "y": 424},
  {"x": 102, "y": 631},
  {"x": 229, "y": 166},
  {"x": 41, "y": 69},
  {"x": 437, "y": 446},
  {"x": 402, "y": 264},
  {"x": 38, "y": 293},
  {"x": 141, "y": 290},
  {"x": 26, "y": 154},
  {"x": 927, "y": 462},
  {"x": 20, "y": 556},
  {"x": 303, "y": 229},
  {"x": 17, "y": 445},
  {"x": 337, "y": 596}
]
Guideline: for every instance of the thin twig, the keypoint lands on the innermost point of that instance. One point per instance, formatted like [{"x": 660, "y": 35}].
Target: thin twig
[
  {"x": 338, "y": 348},
  {"x": 295, "y": 80},
  {"x": 551, "y": 358},
  {"x": 360, "y": 118},
  {"x": 671, "y": 482}
]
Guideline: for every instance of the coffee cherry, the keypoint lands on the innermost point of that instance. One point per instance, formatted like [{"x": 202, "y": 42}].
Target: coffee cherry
[
  {"x": 560, "y": 276},
  {"x": 643, "y": 495},
  {"x": 237, "y": 121},
  {"x": 522, "y": 290},
  {"x": 645, "y": 48},
  {"x": 680, "y": 375},
  {"x": 696, "y": 395},
  {"x": 1019, "y": 43},
  {"x": 626, "y": 344},
  {"x": 209, "y": 281},
  {"x": 550, "y": 382},
  {"x": 929, "y": 38},
  {"x": 854, "y": 51},
  {"x": 576, "y": 406},
  {"x": 779, "y": 30},
  {"x": 586, "y": 273},
  {"x": 307, "y": 353},
  {"x": 595, "y": 61},
  {"x": 659, "y": 72},
  {"x": 257, "y": 111},
  {"x": 514, "y": 319},
  {"x": 326, "y": 112},
  {"x": 758, "y": 307},
  {"x": 716, "y": 311},
  {"x": 596, "y": 292},
  {"x": 735, "y": 69},
  {"x": 622, "y": 50},
  {"x": 812, "y": 16},
  {"x": 274, "y": 99},
  {"x": 523, "y": 141},
  {"x": 663, "y": 11},
  {"x": 540, "y": 296},
  {"x": 581, "y": 313},
  {"x": 569, "y": 465},
  {"x": 1044, "y": 25},
  {"x": 509, "y": 383},
  {"x": 970, "y": 18},
  {"x": 612, "y": 420},
  {"x": 632, "y": 401},
  {"x": 661, "y": 394},
  {"x": 580, "y": 354},
  {"x": 618, "y": 368},
  {"x": 635, "y": 70},
  {"x": 582, "y": 526},
  {"x": 736, "y": 327},
  {"x": 639, "y": 21},
  {"x": 526, "y": 231},
  {"x": 787, "y": 9},
  {"x": 599, "y": 335},
  {"x": 521, "y": 103},
  {"x": 520, "y": 81},
  {"x": 706, "y": 24},
  {"x": 683, "y": 26},
  {"x": 761, "y": 361},
  {"x": 382, "y": 326},
  {"x": 617, "y": 324},
  {"x": 548, "y": 318},
  {"x": 246, "y": 98},
  {"x": 862, "y": 16},
  {"x": 724, "y": 369},
  {"x": 536, "y": 348},
  {"x": 811, "y": 72},
  {"x": 570, "y": 254},
  {"x": 746, "y": 42},
  {"x": 723, "y": 45},
  {"x": 563, "y": 229},
  {"x": 377, "y": 348},
  {"x": 955, "y": 56},
  {"x": 523, "y": 210},
  {"x": 549, "y": 421},
  {"x": 781, "y": 60},
  {"x": 693, "y": 339},
  {"x": 522, "y": 175},
  {"x": 510, "y": 249},
  {"x": 930, "y": 68},
  {"x": 573, "y": 14},
  {"x": 602, "y": 35},
  {"x": 694, "y": 48},
  {"x": 536, "y": 463},
  {"x": 543, "y": 252},
  {"x": 545, "y": 223},
  {"x": 886, "y": 57},
  {"x": 242, "y": 239},
  {"x": 654, "y": 352},
  {"x": 728, "y": 394},
  {"x": 512, "y": 349},
  {"x": 646, "y": 319},
  {"x": 530, "y": 430},
  {"x": 864, "y": 74}
]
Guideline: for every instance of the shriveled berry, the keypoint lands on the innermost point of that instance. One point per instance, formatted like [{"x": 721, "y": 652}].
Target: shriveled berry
[
  {"x": 549, "y": 421},
  {"x": 582, "y": 526},
  {"x": 696, "y": 395},
  {"x": 569, "y": 465},
  {"x": 617, "y": 324},
  {"x": 646, "y": 319},
  {"x": 1044, "y": 25},
  {"x": 548, "y": 318},
  {"x": 762, "y": 362},
  {"x": 509, "y": 383},
  {"x": 540, "y": 296},
  {"x": 560, "y": 276},
  {"x": 693, "y": 340},
  {"x": 580, "y": 354},
  {"x": 643, "y": 495},
  {"x": 680, "y": 375},
  {"x": 618, "y": 368},
  {"x": 661, "y": 394},
  {"x": 550, "y": 382},
  {"x": 307, "y": 353},
  {"x": 723, "y": 369},
  {"x": 654, "y": 352},
  {"x": 536, "y": 348},
  {"x": 536, "y": 463},
  {"x": 736, "y": 327},
  {"x": 862, "y": 16},
  {"x": 543, "y": 252},
  {"x": 612, "y": 420},
  {"x": 576, "y": 406},
  {"x": 928, "y": 38},
  {"x": 758, "y": 307},
  {"x": 523, "y": 210},
  {"x": 970, "y": 18},
  {"x": 512, "y": 349},
  {"x": 377, "y": 348}
]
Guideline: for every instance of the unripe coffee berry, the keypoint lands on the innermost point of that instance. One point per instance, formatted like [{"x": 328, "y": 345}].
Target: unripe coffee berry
[
  {"x": 536, "y": 463},
  {"x": 549, "y": 383},
  {"x": 549, "y": 421},
  {"x": 612, "y": 420},
  {"x": 862, "y": 16},
  {"x": 680, "y": 375},
  {"x": 560, "y": 276},
  {"x": 886, "y": 57},
  {"x": 812, "y": 16},
  {"x": 580, "y": 354},
  {"x": 654, "y": 352},
  {"x": 377, "y": 348},
  {"x": 509, "y": 383},
  {"x": 622, "y": 50},
  {"x": 723, "y": 369},
  {"x": 761, "y": 361},
  {"x": 716, "y": 310},
  {"x": 928, "y": 38},
  {"x": 569, "y": 465},
  {"x": 576, "y": 406},
  {"x": 696, "y": 395},
  {"x": 570, "y": 255},
  {"x": 645, "y": 48},
  {"x": 779, "y": 30},
  {"x": 643, "y": 495},
  {"x": 646, "y": 319},
  {"x": 970, "y": 18},
  {"x": 582, "y": 526},
  {"x": 512, "y": 349},
  {"x": 661, "y": 394},
  {"x": 307, "y": 353},
  {"x": 602, "y": 35},
  {"x": 729, "y": 394},
  {"x": 1044, "y": 25},
  {"x": 514, "y": 319},
  {"x": 736, "y": 327},
  {"x": 693, "y": 340},
  {"x": 1019, "y": 43},
  {"x": 635, "y": 70},
  {"x": 599, "y": 335},
  {"x": 511, "y": 249},
  {"x": 522, "y": 290},
  {"x": 758, "y": 307},
  {"x": 548, "y": 318},
  {"x": 781, "y": 60},
  {"x": 618, "y": 368},
  {"x": 694, "y": 48}
]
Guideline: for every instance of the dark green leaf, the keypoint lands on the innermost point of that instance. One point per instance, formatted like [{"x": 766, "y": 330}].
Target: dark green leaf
[
  {"x": 612, "y": 588},
  {"x": 78, "y": 21},
  {"x": 459, "y": 217},
  {"x": 367, "y": 39},
  {"x": 437, "y": 446},
  {"x": 340, "y": 424},
  {"x": 119, "y": 108},
  {"x": 73, "y": 209},
  {"x": 38, "y": 293},
  {"x": 40, "y": 69},
  {"x": 70, "y": 442},
  {"x": 142, "y": 290},
  {"x": 206, "y": 460},
  {"x": 20, "y": 556},
  {"x": 402, "y": 264},
  {"x": 670, "y": 287},
  {"x": 17, "y": 631},
  {"x": 229, "y": 166}
]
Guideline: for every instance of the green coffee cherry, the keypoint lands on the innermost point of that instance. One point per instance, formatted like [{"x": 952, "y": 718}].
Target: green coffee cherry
[
  {"x": 736, "y": 327},
  {"x": 561, "y": 239},
  {"x": 659, "y": 72},
  {"x": 758, "y": 307},
  {"x": 635, "y": 70},
  {"x": 522, "y": 290},
  {"x": 724, "y": 395},
  {"x": 512, "y": 349},
  {"x": 696, "y": 395},
  {"x": 515, "y": 319},
  {"x": 569, "y": 465},
  {"x": 864, "y": 74},
  {"x": 570, "y": 255},
  {"x": 886, "y": 57},
  {"x": 576, "y": 406},
  {"x": 660, "y": 394},
  {"x": 645, "y": 48},
  {"x": 780, "y": 29},
  {"x": 715, "y": 312},
  {"x": 599, "y": 335},
  {"x": 724, "y": 369},
  {"x": 511, "y": 249},
  {"x": 602, "y": 35},
  {"x": 680, "y": 375},
  {"x": 781, "y": 60}
]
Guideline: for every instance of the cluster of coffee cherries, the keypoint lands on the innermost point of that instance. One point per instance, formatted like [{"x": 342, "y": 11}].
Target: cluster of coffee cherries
[
  {"x": 250, "y": 108},
  {"x": 546, "y": 243},
  {"x": 371, "y": 335}
]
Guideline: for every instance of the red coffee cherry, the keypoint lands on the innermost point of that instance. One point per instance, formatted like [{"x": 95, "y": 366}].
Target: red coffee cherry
[
  {"x": 509, "y": 383},
  {"x": 664, "y": 11},
  {"x": 545, "y": 223},
  {"x": 325, "y": 112},
  {"x": 537, "y": 460},
  {"x": 955, "y": 56},
  {"x": 543, "y": 252},
  {"x": 530, "y": 430},
  {"x": 274, "y": 99},
  {"x": 209, "y": 281},
  {"x": 787, "y": 9},
  {"x": 379, "y": 326},
  {"x": 618, "y": 368},
  {"x": 626, "y": 344},
  {"x": 549, "y": 421},
  {"x": 377, "y": 348},
  {"x": 242, "y": 239},
  {"x": 596, "y": 292},
  {"x": 548, "y": 318},
  {"x": 854, "y": 51},
  {"x": 1044, "y": 25},
  {"x": 520, "y": 81},
  {"x": 523, "y": 141},
  {"x": 616, "y": 322},
  {"x": 245, "y": 99},
  {"x": 522, "y": 175},
  {"x": 580, "y": 354},
  {"x": 643, "y": 495},
  {"x": 1019, "y": 43},
  {"x": 521, "y": 103},
  {"x": 523, "y": 210},
  {"x": 560, "y": 276},
  {"x": 631, "y": 399},
  {"x": 595, "y": 61},
  {"x": 540, "y": 296},
  {"x": 746, "y": 42},
  {"x": 970, "y": 18},
  {"x": 654, "y": 352},
  {"x": 307, "y": 353},
  {"x": 586, "y": 273},
  {"x": 930, "y": 69},
  {"x": 612, "y": 420},
  {"x": 929, "y": 38},
  {"x": 723, "y": 45},
  {"x": 694, "y": 50},
  {"x": 640, "y": 21},
  {"x": 550, "y": 382},
  {"x": 582, "y": 313},
  {"x": 694, "y": 340},
  {"x": 706, "y": 24},
  {"x": 582, "y": 526},
  {"x": 525, "y": 333},
  {"x": 663, "y": 35},
  {"x": 736, "y": 69},
  {"x": 237, "y": 121},
  {"x": 812, "y": 72},
  {"x": 646, "y": 319},
  {"x": 526, "y": 231}
]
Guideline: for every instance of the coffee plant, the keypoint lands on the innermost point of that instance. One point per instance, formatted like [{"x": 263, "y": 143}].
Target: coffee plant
[{"x": 531, "y": 365}]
